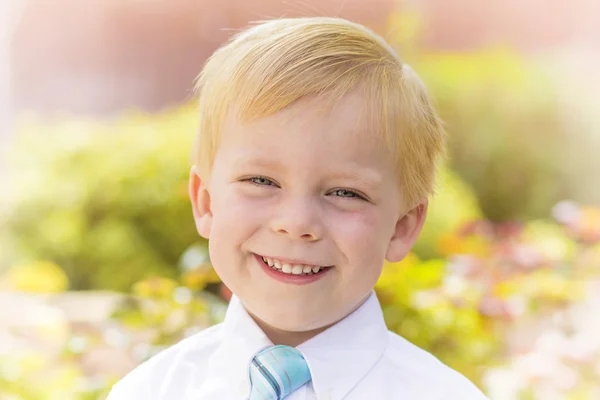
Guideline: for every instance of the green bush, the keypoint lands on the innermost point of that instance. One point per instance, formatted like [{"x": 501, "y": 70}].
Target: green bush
[
  {"x": 501, "y": 298},
  {"x": 506, "y": 129},
  {"x": 453, "y": 205},
  {"x": 105, "y": 201},
  {"x": 510, "y": 135}
]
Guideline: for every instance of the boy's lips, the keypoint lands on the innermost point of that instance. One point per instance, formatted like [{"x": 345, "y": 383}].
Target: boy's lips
[{"x": 291, "y": 271}]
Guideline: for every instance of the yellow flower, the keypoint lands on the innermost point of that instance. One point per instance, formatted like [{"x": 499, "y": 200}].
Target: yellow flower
[
  {"x": 589, "y": 224},
  {"x": 199, "y": 277},
  {"x": 455, "y": 244},
  {"x": 155, "y": 287},
  {"x": 37, "y": 277}
]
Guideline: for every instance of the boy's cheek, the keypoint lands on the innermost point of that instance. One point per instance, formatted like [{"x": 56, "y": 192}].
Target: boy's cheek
[
  {"x": 357, "y": 227},
  {"x": 244, "y": 213},
  {"x": 235, "y": 216},
  {"x": 361, "y": 237}
]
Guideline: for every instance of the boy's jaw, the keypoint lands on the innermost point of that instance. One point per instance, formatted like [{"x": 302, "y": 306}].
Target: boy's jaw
[{"x": 288, "y": 271}]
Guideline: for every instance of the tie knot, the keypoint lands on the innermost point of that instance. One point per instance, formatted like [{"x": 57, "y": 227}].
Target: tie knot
[{"x": 277, "y": 371}]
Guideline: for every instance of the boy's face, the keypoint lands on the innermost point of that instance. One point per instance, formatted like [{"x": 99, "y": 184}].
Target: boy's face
[{"x": 305, "y": 188}]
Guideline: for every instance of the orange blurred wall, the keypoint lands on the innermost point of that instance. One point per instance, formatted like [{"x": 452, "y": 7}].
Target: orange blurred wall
[{"x": 100, "y": 56}]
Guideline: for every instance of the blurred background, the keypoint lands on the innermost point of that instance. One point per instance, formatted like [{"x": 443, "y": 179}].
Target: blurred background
[{"x": 100, "y": 264}]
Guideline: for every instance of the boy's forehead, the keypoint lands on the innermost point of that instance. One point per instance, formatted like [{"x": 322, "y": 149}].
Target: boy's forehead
[
  {"x": 306, "y": 138},
  {"x": 312, "y": 118}
]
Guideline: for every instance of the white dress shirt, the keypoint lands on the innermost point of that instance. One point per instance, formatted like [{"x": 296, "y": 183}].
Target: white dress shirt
[{"x": 355, "y": 359}]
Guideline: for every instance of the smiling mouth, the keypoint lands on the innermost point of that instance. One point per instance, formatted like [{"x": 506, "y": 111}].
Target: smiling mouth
[{"x": 293, "y": 269}]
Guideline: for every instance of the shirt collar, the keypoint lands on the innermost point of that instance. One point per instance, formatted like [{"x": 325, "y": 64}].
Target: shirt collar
[
  {"x": 338, "y": 358},
  {"x": 342, "y": 355},
  {"x": 242, "y": 339}
]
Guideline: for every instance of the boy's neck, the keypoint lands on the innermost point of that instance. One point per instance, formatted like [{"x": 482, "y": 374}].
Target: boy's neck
[{"x": 293, "y": 339}]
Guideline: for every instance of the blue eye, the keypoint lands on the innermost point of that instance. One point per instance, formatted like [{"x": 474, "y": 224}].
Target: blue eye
[
  {"x": 346, "y": 193},
  {"x": 260, "y": 181}
]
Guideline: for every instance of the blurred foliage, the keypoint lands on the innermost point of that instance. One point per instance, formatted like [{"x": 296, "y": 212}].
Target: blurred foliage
[
  {"x": 105, "y": 201},
  {"x": 25, "y": 278},
  {"x": 453, "y": 204},
  {"x": 505, "y": 127},
  {"x": 501, "y": 292},
  {"x": 504, "y": 112},
  {"x": 87, "y": 359}
]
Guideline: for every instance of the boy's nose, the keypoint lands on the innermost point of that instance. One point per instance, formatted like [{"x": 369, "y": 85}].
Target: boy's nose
[{"x": 298, "y": 220}]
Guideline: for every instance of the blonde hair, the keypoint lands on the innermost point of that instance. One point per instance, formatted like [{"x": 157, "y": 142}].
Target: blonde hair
[{"x": 269, "y": 66}]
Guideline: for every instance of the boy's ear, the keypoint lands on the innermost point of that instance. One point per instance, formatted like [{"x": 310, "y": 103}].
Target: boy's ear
[
  {"x": 200, "y": 198},
  {"x": 406, "y": 232}
]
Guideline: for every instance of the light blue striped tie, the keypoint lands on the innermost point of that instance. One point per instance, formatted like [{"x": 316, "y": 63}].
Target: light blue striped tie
[{"x": 277, "y": 371}]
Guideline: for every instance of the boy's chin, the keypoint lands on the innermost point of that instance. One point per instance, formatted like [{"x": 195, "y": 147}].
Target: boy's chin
[{"x": 295, "y": 322}]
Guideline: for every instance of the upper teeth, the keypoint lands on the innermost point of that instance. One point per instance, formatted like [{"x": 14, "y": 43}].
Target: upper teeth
[{"x": 293, "y": 269}]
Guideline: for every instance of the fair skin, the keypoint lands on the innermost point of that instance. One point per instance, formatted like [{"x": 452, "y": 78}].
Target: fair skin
[{"x": 308, "y": 186}]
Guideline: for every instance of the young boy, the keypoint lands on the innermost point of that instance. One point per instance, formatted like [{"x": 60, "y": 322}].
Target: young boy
[{"x": 315, "y": 157}]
